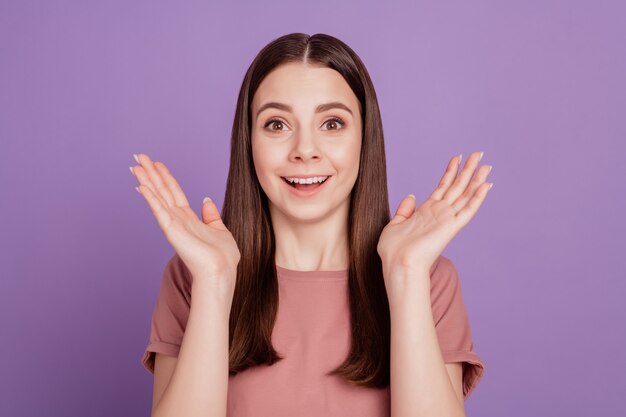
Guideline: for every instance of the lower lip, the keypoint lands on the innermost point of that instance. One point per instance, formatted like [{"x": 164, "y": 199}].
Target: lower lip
[{"x": 307, "y": 193}]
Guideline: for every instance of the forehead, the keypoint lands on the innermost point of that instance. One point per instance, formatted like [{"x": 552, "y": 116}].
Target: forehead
[{"x": 304, "y": 86}]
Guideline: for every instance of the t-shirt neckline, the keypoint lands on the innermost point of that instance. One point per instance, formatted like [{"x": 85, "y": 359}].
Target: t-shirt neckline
[{"x": 313, "y": 275}]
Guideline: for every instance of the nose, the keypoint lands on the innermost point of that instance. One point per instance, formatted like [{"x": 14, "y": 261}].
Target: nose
[{"x": 305, "y": 146}]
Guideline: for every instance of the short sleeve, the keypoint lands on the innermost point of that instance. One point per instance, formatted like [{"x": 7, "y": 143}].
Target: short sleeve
[
  {"x": 452, "y": 323},
  {"x": 170, "y": 313}
]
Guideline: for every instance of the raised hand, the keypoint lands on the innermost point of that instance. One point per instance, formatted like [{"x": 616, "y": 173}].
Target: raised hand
[
  {"x": 415, "y": 237},
  {"x": 206, "y": 246}
]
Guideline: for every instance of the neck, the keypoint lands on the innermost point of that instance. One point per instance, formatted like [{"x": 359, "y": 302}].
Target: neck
[{"x": 319, "y": 244}]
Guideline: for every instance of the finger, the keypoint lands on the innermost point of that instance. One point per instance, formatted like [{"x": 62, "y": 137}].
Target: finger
[
  {"x": 472, "y": 206},
  {"x": 461, "y": 181},
  {"x": 405, "y": 209},
  {"x": 479, "y": 178},
  {"x": 448, "y": 177},
  {"x": 211, "y": 215},
  {"x": 172, "y": 184},
  {"x": 142, "y": 177},
  {"x": 155, "y": 177},
  {"x": 158, "y": 209}
]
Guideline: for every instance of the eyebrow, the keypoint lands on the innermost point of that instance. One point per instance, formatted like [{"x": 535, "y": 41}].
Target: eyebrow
[{"x": 318, "y": 109}]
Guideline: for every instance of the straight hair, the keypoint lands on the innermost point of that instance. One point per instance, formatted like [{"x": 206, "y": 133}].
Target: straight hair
[{"x": 245, "y": 213}]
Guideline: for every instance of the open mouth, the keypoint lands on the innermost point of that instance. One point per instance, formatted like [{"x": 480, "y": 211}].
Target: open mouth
[{"x": 305, "y": 187}]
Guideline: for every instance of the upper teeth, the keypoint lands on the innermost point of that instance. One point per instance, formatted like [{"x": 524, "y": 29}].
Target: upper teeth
[{"x": 306, "y": 180}]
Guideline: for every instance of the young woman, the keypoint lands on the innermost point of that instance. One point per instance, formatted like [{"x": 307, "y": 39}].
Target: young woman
[{"x": 303, "y": 297}]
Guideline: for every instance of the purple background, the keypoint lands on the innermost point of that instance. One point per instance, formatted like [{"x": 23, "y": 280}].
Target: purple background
[{"x": 538, "y": 85}]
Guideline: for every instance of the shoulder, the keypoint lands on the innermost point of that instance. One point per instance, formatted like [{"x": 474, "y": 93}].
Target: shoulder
[
  {"x": 444, "y": 279},
  {"x": 176, "y": 275},
  {"x": 443, "y": 271}
]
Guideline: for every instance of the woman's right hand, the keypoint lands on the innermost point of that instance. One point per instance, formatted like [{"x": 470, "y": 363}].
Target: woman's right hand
[{"x": 206, "y": 246}]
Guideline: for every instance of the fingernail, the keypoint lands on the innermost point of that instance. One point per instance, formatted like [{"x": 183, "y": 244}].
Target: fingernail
[
  {"x": 206, "y": 199},
  {"x": 131, "y": 170},
  {"x": 460, "y": 157},
  {"x": 137, "y": 188},
  {"x": 136, "y": 159},
  {"x": 412, "y": 196},
  {"x": 481, "y": 156},
  {"x": 490, "y": 185}
]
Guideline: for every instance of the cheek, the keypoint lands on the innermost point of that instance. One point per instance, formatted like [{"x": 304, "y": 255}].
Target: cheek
[
  {"x": 265, "y": 160},
  {"x": 259, "y": 161},
  {"x": 347, "y": 159}
]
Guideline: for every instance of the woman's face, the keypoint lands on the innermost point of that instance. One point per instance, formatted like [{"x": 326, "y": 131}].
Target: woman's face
[{"x": 298, "y": 137}]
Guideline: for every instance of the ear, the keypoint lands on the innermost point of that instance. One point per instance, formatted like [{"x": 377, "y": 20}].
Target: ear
[{"x": 405, "y": 209}]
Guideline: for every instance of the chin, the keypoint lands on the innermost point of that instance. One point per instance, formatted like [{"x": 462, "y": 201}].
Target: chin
[{"x": 313, "y": 215}]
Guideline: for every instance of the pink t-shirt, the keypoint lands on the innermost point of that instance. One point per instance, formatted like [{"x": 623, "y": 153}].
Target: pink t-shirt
[{"x": 312, "y": 333}]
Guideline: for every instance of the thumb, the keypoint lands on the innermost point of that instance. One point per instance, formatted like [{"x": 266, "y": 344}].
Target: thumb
[
  {"x": 405, "y": 209},
  {"x": 210, "y": 213}
]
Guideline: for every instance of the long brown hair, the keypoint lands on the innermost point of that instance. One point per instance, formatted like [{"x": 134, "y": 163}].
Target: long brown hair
[{"x": 246, "y": 214}]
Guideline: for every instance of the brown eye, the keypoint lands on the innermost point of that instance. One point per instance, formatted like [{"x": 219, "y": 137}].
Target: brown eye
[
  {"x": 334, "y": 121},
  {"x": 274, "y": 122}
]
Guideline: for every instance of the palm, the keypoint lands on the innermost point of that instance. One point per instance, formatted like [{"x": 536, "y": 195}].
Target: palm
[
  {"x": 416, "y": 236},
  {"x": 206, "y": 246},
  {"x": 428, "y": 230}
]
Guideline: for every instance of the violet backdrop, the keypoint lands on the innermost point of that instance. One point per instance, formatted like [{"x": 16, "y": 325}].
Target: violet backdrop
[{"x": 537, "y": 85}]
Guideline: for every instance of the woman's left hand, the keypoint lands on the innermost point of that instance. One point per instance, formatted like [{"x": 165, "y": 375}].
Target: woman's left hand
[{"x": 415, "y": 238}]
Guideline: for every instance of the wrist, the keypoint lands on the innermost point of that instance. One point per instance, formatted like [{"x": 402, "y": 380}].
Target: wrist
[
  {"x": 221, "y": 288},
  {"x": 404, "y": 271},
  {"x": 402, "y": 281}
]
